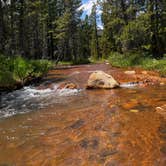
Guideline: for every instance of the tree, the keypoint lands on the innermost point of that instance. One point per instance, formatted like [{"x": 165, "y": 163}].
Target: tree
[
  {"x": 137, "y": 25},
  {"x": 94, "y": 39},
  {"x": 1, "y": 27},
  {"x": 85, "y": 38},
  {"x": 21, "y": 10}
]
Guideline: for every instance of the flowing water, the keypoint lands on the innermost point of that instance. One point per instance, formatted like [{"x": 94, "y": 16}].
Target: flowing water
[{"x": 42, "y": 125}]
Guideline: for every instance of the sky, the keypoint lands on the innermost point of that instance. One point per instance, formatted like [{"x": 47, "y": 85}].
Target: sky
[{"x": 87, "y": 7}]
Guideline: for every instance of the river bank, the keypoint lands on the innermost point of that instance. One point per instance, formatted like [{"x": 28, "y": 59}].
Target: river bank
[{"x": 17, "y": 72}]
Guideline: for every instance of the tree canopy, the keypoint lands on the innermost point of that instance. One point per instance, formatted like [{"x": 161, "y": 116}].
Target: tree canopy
[{"x": 54, "y": 29}]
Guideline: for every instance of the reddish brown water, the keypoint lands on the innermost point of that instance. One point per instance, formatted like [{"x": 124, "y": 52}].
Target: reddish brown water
[{"x": 89, "y": 128}]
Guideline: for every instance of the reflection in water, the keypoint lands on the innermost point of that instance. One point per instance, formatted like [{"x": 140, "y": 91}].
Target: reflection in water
[{"x": 83, "y": 127}]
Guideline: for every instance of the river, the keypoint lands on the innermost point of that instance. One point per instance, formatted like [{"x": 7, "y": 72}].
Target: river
[{"x": 42, "y": 125}]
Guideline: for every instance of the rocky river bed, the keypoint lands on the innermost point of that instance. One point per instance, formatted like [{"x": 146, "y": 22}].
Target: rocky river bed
[{"x": 43, "y": 125}]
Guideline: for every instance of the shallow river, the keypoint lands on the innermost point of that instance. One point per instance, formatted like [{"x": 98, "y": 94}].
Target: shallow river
[{"x": 51, "y": 127}]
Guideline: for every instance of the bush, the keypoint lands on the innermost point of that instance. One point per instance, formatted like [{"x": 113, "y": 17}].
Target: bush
[
  {"x": 125, "y": 60},
  {"x": 6, "y": 78},
  {"x": 18, "y": 69},
  {"x": 41, "y": 67},
  {"x": 136, "y": 59},
  {"x": 153, "y": 64},
  {"x": 22, "y": 69}
]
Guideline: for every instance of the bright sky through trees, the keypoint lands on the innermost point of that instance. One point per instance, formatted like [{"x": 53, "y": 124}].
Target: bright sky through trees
[{"x": 87, "y": 8}]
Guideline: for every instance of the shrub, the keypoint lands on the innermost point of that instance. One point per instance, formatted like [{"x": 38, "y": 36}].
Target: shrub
[
  {"x": 41, "y": 67},
  {"x": 136, "y": 59},
  {"x": 18, "y": 69},
  {"x": 6, "y": 78},
  {"x": 22, "y": 69}
]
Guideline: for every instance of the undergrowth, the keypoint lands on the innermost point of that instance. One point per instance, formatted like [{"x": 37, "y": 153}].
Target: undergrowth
[
  {"x": 15, "y": 70},
  {"x": 139, "y": 60}
]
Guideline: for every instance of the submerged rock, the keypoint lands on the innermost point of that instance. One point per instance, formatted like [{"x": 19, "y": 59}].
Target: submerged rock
[
  {"x": 100, "y": 79},
  {"x": 144, "y": 72},
  {"x": 162, "y": 83},
  {"x": 134, "y": 111},
  {"x": 161, "y": 110},
  {"x": 68, "y": 85},
  {"x": 130, "y": 72},
  {"x": 130, "y": 104}
]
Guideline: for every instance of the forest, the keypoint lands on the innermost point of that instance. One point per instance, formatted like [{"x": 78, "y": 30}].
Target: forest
[{"x": 133, "y": 33}]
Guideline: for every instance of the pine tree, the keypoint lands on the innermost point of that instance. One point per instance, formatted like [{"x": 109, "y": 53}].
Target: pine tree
[
  {"x": 2, "y": 28},
  {"x": 94, "y": 40}
]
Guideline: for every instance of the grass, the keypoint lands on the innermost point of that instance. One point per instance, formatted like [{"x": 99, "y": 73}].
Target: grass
[
  {"x": 17, "y": 70},
  {"x": 78, "y": 62},
  {"x": 138, "y": 60},
  {"x": 94, "y": 61}
]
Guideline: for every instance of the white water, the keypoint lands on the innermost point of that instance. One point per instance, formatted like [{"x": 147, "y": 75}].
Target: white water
[
  {"x": 30, "y": 98},
  {"x": 130, "y": 85}
]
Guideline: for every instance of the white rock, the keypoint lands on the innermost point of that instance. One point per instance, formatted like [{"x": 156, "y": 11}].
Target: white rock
[
  {"x": 130, "y": 72},
  {"x": 100, "y": 79}
]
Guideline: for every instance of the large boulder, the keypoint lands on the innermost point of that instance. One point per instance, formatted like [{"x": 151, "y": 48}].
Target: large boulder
[{"x": 99, "y": 79}]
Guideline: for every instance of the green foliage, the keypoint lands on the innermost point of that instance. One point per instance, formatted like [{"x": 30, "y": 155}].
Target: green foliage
[
  {"x": 94, "y": 44},
  {"x": 118, "y": 60},
  {"x": 22, "y": 69},
  {"x": 81, "y": 61},
  {"x": 153, "y": 64},
  {"x": 40, "y": 67},
  {"x": 135, "y": 59},
  {"x": 134, "y": 36},
  {"x": 19, "y": 70},
  {"x": 6, "y": 63},
  {"x": 6, "y": 78},
  {"x": 134, "y": 26}
]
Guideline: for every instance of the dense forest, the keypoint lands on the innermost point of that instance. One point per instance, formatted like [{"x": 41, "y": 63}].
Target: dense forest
[
  {"x": 134, "y": 25},
  {"x": 57, "y": 29},
  {"x": 54, "y": 29}
]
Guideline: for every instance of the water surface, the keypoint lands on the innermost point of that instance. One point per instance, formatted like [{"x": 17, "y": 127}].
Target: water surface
[{"x": 47, "y": 126}]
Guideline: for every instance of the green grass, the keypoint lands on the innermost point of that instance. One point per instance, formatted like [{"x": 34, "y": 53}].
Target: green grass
[
  {"x": 138, "y": 60},
  {"x": 18, "y": 70},
  {"x": 64, "y": 63},
  {"x": 94, "y": 61},
  {"x": 78, "y": 62}
]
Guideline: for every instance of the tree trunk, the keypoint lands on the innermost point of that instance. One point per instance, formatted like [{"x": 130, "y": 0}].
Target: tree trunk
[
  {"x": 21, "y": 28},
  {"x": 12, "y": 44},
  {"x": 1, "y": 29}
]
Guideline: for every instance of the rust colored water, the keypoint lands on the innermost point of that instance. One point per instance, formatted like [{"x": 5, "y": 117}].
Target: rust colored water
[{"x": 89, "y": 128}]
